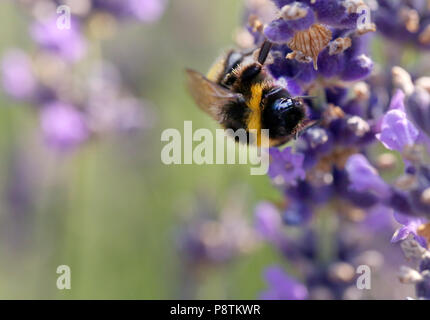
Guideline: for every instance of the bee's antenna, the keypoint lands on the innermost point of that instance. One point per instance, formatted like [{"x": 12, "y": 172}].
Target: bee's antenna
[
  {"x": 264, "y": 51},
  {"x": 305, "y": 97},
  {"x": 305, "y": 126}
]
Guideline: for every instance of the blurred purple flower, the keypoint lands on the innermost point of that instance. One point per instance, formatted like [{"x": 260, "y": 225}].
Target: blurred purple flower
[
  {"x": 418, "y": 105},
  {"x": 111, "y": 113},
  {"x": 99, "y": 103},
  {"x": 282, "y": 286},
  {"x": 357, "y": 68},
  {"x": 17, "y": 76},
  {"x": 287, "y": 165},
  {"x": 364, "y": 178},
  {"x": 268, "y": 221},
  {"x": 147, "y": 10},
  {"x": 209, "y": 240},
  {"x": 378, "y": 218},
  {"x": 410, "y": 227},
  {"x": 67, "y": 43},
  {"x": 297, "y": 213},
  {"x": 397, "y": 132},
  {"x": 63, "y": 126},
  {"x": 407, "y": 22}
]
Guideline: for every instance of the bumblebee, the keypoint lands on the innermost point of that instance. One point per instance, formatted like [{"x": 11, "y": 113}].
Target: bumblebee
[{"x": 239, "y": 93}]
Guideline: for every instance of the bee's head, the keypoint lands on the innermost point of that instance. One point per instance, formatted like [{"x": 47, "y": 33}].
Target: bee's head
[
  {"x": 287, "y": 105},
  {"x": 282, "y": 113}
]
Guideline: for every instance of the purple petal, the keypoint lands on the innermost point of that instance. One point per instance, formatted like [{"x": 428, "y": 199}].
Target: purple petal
[
  {"x": 357, "y": 68},
  {"x": 332, "y": 13},
  {"x": 363, "y": 177},
  {"x": 410, "y": 227},
  {"x": 305, "y": 22},
  {"x": 378, "y": 218},
  {"x": 291, "y": 85},
  {"x": 307, "y": 72},
  {"x": 330, "y": 65},
  {"x": 279, "y": 31},
  {"x": 397, "y": 131},
  {"x": 397, "y": 102},
  {"x": 282, "y": 286},
  {"x": 411, "y": 222},
  {"x": 287, "y": 165},
  {"x": 401, "y": 234}
]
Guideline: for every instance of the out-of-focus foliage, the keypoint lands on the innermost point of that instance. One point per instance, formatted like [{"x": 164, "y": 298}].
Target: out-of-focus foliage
[{"x": 111, "y": 210}]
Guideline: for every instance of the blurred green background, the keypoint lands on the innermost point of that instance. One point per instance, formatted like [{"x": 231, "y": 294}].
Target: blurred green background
[{"x": 112, "y": 211}]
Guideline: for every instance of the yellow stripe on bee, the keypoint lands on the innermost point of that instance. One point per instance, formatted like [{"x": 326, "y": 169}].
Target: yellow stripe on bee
[
  {"x": 254, "y": 103},
  {"x": 216, "y": 70}
]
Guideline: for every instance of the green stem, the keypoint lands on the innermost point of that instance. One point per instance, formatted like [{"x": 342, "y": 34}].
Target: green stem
[{"x": 326, "y": 227}]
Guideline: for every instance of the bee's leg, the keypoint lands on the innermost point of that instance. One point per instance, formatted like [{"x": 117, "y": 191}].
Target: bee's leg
[
  {"x": 306, "y": 125},
  {"x": 252, "y": 71},
  {"x": 264, "y": 52},
  {"x": 243, "y": 75}
]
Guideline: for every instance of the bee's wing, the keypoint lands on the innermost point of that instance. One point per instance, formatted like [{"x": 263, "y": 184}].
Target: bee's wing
[{"x": 208, "y": 95}]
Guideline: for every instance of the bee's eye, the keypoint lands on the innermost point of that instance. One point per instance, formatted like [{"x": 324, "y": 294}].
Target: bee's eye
[
  {"x": 283, "y": 104},
  {"x": 298, "y": 102}
]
